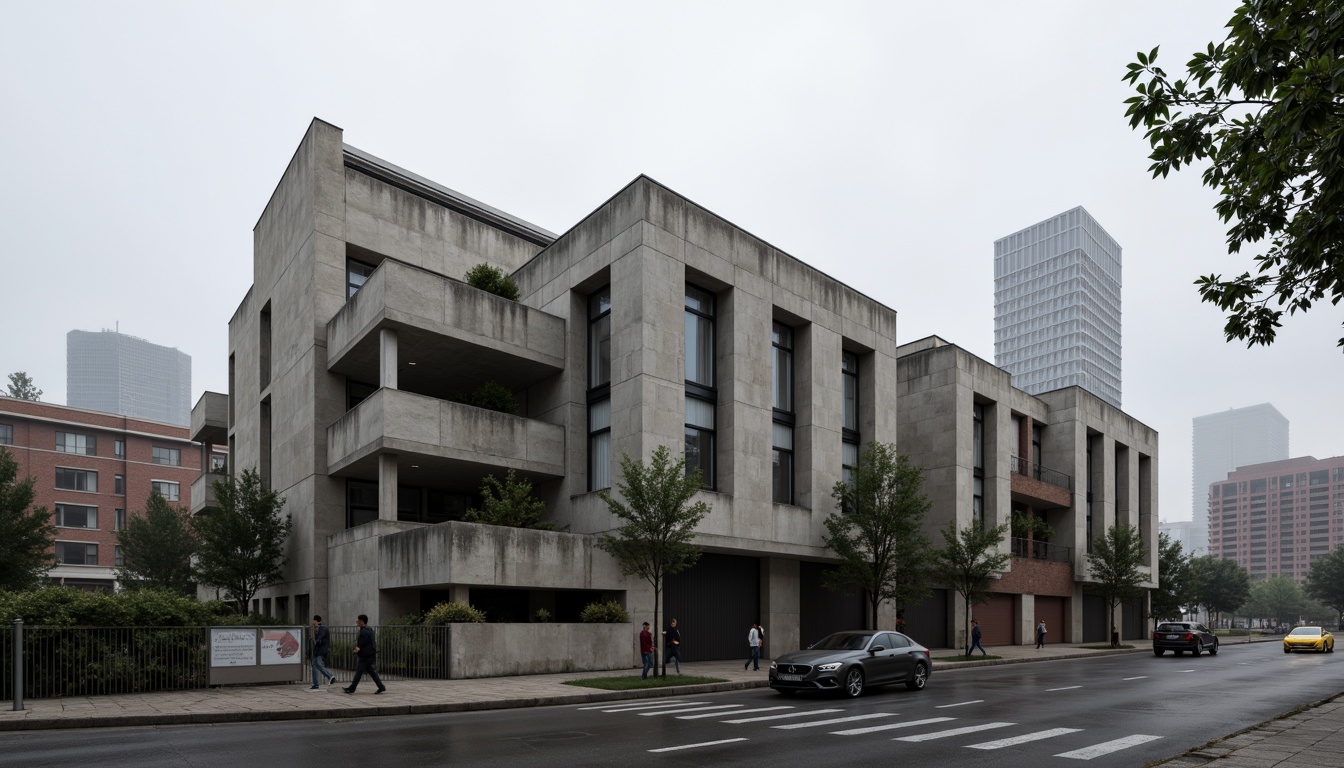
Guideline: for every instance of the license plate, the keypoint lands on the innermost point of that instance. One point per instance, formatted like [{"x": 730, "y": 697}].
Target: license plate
[
  {"x": 1173, "y": 637},
  {"x": 790, "y": 678}
]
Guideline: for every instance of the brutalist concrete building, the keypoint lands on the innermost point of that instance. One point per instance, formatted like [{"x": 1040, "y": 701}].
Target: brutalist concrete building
[{"x": 651, "y": 322}]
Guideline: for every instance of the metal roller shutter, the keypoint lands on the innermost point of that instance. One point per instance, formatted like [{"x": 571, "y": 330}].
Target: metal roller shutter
[
  {"x": 822, "y": 611},
  {"x": 996, "y": 619},
  {"x": 1051, "y": 610},
  {"x": 714, "y": 603},
  {"x": 927, "y": 621}
]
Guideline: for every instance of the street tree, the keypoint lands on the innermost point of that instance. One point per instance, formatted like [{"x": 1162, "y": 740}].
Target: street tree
[
  {"x": 157, "y": 547},
  {"x": 242, "y": 541},
  {"x": 1278, "y": 598},
  {"x": 1263, "y": 111},
  {"x": 1172, "y": 593},
  {"x": 658, "y": 524},
  {"x": 26, "y": 532},
  {"x": 877, "y": 530},
  {"x": 21, "y": 386},
  {"x": 968, "y": 560},
  {"x": 1219, "y": 585},
  {"x": 1115, "y": 560},
  {"x": 509, "y": 503},
  {"x": 1325, "y": 582}
]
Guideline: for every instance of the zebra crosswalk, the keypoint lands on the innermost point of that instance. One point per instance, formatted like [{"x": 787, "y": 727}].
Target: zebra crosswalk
[{"x": 894, "y": 725}]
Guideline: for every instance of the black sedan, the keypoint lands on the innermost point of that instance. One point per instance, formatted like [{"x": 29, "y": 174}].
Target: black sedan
[
  {"x": 1182, "y": 636},
  {"x": 847, "y": 662}
]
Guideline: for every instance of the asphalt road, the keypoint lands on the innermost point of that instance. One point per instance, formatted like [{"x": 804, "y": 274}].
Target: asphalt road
[{"x": 1110, "y": 711}]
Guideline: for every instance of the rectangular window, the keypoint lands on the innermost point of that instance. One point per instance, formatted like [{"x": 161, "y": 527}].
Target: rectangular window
[
  {"x": 116, "y": 556},
  {"x": 169, "y": 457},
  {"x": 599, "y": 444},
  {"x": 356, "y": 274},
  {"x": 76, "y": 516},
  {"x": 978, "y": 462},
  {"x": 6, "y": 434},
  {"x": 781, "y": 377},
  {"x": 700, "y": 439},
  {"x": 849, "y": 459},
  {"x": 74, "y": 553},
  {"x": 978, "y": 501},
  {"x": 701, "y": 396},
  {"x": 599, "y": 338},
  {"x": 361, "y": 502},
  {"x": 119, "y": 448},
  {"x": 119, "y": 485},
  {"x": 849, "y": 372},
  {"x": 782, "y": 463},
  {"x": 119, "y": 520},
  {"x": 76, "y": 480},
  {"x": 781, "y": 339},
  {"x": 219, "y": 463},
  {"x": 71, "y": 442},
  {"x": 599, "y": 389},
  {"x": 699, "y": 337},
  {"x": 168, "y": 490}
]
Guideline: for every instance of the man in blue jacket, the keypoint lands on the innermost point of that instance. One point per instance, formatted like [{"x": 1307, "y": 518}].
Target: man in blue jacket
[
  {"x": 321, "y": 649},
  {"x": 366, "y": 655}
]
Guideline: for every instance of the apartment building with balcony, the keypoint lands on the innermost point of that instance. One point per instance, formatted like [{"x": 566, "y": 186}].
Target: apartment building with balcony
[
  {"x": 990, "y": 451},
  {"x": 92, "y": 470}
]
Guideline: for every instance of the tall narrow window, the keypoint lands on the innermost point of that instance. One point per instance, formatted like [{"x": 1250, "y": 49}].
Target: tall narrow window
[
  {"x": 849, "y": 447},
  {"x": 701, "y": 396},
  {"x": 1089, "y": 493},
  {"x": 119, "y": 520},
  {"x": 599, "y": 389},
  {"x": 356, "y": 273},
  {"x": 119, "y": 448},
  {"x": 6, "y": 434},
  {"x": 264, "y": 347},
  {"x": 782, "y": 405},
  {"x": 978, "y": 468}
]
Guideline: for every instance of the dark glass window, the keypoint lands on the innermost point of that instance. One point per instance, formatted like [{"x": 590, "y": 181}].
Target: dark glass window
[
  {"x": 73, "y": 553},
  {"x": 361, "y": 502},
  {"x": 71, "y": 442},
  {"x": 599, "y": 338},
  {"x": 599, "y": 389},
  {"x": 700, "y": 439},
  {"x": 119, "y": 485},
  {"x": 119, "y": 448},
  {"x": 782, "y": 402},
  {"x": 978, "y": 468},
  {"x": 171, "y": 457},
  {"x": 356, "y": 274},
  {"x": 6, "y": 434},
  {"x": 701, "y": 396},
  {"x": 76, "y": 480},
  {"x": 75, "y": 516},
  {"x": 119, "y": 520},
  {"x": 168, "y": 490}
]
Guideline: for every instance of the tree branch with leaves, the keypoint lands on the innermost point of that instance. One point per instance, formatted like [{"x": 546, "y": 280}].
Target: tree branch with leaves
[
  {"x": 967, "y": 562},
  {"x": 242, "y": 541},
  {"x": 26, "y": 532},
  {"x": 1115, "y": 561},
  {"x": 157, "y": 547}
]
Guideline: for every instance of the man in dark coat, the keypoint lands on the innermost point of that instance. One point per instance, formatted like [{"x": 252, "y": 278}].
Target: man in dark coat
[
  {"x": 321, "y": 647},
  {"x": 366, "y": 653}
]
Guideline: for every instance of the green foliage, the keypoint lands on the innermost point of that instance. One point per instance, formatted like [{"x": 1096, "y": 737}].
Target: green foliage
[
  {"x": 1278, "y": 598},
  {"x": 542, "y": 616},
  {"x": 1173, "y": 591},
  {"x": 53, "y": 606},
  {"x": 1115, "y": 560},
  {"x": 493, "y": 396},
  {"x": 26, "y": 532},
  {"x": 967, "y": 560},
  {"x": 880, "y": 539},
  {"x": 1264, "y": 110},
  {"x": 493, "y": 280},
  {"x": 242, "y": 542},
  {"x": 1325, "y": 583},
  {"x": 454, "y": 613},
  {"x": 157, "y": 547},
  {"x": 1219, "y": 585},
  {"x": 21, "y": 387},
  {"x": 659, "y": 521},
  {"x": 605, "y": 612},
  {"x": 509, "y": 503},
  {"x": 1031, "y": 526}
]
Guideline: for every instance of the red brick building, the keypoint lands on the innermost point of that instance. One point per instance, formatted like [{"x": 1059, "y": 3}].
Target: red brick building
[{"x": 93, "y": 469}]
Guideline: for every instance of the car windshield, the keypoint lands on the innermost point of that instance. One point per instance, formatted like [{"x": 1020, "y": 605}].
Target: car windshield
[
  {"x": 1306, "y": 632},
  {"x": 1173, "y": 628},
  {"x": 843, "y": 641}
]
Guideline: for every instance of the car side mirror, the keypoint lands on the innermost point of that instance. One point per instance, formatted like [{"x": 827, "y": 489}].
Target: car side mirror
[{"x": 876, "y": 648}]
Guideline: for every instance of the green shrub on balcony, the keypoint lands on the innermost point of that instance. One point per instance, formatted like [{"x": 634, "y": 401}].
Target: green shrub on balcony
[
  {"x": 509, "y": 503},
  {"x": 454, "y": 613},
  {"x": 492, "y": 280},
  {"x": 605, "y": 612}
]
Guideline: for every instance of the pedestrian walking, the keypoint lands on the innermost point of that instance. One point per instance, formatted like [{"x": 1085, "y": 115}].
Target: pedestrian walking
[
  {"x": 646, "y": 649},
  {"x": 754, "y": 647},
  {"x": 321, "y": 647},
  {"x": 1040, "y": 635},
  {"x": 672, "y": 645},
  {"x": 975, "y": 639},
  {"x": 366, "y": 657}
]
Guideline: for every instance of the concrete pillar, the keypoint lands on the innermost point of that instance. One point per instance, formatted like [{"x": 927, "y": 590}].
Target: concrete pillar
[
  {"x": 387, "y": 358},
  {"x": 780, "y": 584},
  {"x": 387, "y": 486},
  {"x": 1024, "y": 619},
  {"x": 459, "y": 593}
]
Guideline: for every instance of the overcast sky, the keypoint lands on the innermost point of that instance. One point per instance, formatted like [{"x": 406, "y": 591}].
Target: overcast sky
[{"x": 887, "y": 144}]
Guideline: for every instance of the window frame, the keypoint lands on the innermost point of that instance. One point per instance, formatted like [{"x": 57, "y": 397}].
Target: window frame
[
  {"x": 598, "y": 392},
  {"x": 6, "y": 434},
  {"x": 73, "y": 447},
  {"x": 351, "y": 288},
  {"x": 177, "y": 495},
  {"x": 783, "y": 419},
  {"x": 978, "y": 463},
  {"x": 706, "y": 437},
  {"x": 59, "y": 511},
  {"x": 81, "y": 474},
  {"x": 90, "y": 551},
  {"x": 164, "y": 456}
]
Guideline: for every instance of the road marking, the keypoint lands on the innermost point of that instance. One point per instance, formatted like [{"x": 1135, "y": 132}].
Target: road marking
[
  {"x": 1106, "y": 748},
  {"x": 631, "y": 708},
  {"x": 701, "y": 744},
  {"x": 738, "y": 712},
  {"x": 780, "y": 717},
  {"x": 1140, "y": 677},
  {"x": 953, "y": 732},
  {"x": 1185, "y": 670},
  {"x": 891, "y": 726},
  {"x": 1014, "y": 741},
  {"x": 1065, "y": 688},
  {"x": 835, "y": 720},
  {"x": 692, "y": 709},
  {"x": 962, "y": 704}
]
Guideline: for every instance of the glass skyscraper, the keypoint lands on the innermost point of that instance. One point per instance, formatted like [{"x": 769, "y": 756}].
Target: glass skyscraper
[
  {"x": 1221, "y": 442},
  {"x": 116, "y": 373}
]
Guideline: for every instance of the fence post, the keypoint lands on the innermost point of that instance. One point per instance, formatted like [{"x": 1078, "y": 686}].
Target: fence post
[{"x": 18, "y": 665}]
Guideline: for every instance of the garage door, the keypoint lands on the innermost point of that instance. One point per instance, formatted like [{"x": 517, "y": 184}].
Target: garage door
[
  {"x": 714, "y": 603},
  {"x": 1094, "y": 619},
  {"x": 1051, "y": 610},
  {"x": 927, "y": 621},
  {"x": 996, "y": 619},
  {"x": 822, "y": 611},
  {"x": 1132, "y": 621}
]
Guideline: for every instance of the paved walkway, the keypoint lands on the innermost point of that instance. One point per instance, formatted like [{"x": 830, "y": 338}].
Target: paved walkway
[{"x": 1311, "y": 737}]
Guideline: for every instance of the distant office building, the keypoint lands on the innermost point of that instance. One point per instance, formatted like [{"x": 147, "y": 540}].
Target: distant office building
[
  {"x": 1276, "y": 518},
  {"x": 1193, "y": 535},
  {"x": 1222, "y": 442},
  {"x": 1057, "y": 306},
  {"x": 116, "y": 373}
]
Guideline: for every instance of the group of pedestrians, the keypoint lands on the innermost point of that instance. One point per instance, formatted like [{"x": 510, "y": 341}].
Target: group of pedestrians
[
  {"x": 976, "y": 636},
  {"x": 366, "y": 655},
  {"x": 671, "y": 645}
]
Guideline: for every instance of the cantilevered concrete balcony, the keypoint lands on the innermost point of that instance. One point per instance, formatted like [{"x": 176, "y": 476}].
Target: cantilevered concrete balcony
[
  {"x": 203, "y": 491},
  {"x": 1039, "y": 486},
  {"x": 440, "y": 439},
  {"x": 210, "y": 419},
  {"x": 451, "y": 337}
]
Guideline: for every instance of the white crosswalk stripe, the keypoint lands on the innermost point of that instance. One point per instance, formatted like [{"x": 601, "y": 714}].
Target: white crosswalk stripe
[
  {"x": 1107, "y": 747},
  {"x": 632, "y": 708},
  {"x": 781, "y": 717},
  {"x": 692, "y": 709},
  {"x": 959, "y": 704},
  {"x": 738, "y": 712},
  {"x": 1023, "y": 739},
  {"x": 953, "y": 732},
  {"x": 891, "y": 726},
  {"x": 835, "y": 720},
  {"x": 701, "y": 744},
  {"x": 1065, "y": 688}
]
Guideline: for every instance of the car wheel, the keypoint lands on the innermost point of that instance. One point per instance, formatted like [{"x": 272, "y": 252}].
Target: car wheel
[
  {"x": 1286, "y": 649},
  {"x": 1330, "y": 648},
  {"x": 854, "y": 682},
  {"x": 1194, "y": 651},
  {"x": 1214, "y": 650},
  {"x": 1159, "y": 651},
  {"x": 920, "y": 678}
]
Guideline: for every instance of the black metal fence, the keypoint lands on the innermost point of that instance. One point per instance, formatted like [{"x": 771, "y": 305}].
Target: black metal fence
[
  {"x": 1033, "y": 469},
  {"x": 1041, "y": 550},
  {"x": 404, "y": 652}
]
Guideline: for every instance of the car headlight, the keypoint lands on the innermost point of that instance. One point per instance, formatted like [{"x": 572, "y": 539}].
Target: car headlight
[
  {"x": 774, "y": 665},
  {"x": 829, "y": 667}
]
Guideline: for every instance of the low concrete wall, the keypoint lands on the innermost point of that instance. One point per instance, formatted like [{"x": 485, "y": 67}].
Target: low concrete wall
[{"x": 499, "y": 650}]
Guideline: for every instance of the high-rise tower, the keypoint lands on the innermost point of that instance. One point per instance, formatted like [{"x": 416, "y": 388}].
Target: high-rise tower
[
  {"x": 116, "y": 373},
  {"x": 1221, "y": 442}
]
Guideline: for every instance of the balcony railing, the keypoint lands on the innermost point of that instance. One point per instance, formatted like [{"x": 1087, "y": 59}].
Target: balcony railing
[
  {"x": 1041, "y": 550},
  {"x": 1034, "y": 470}
]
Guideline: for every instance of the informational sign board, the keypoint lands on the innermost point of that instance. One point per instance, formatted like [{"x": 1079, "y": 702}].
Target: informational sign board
[
  {"x": 233, "y": 647},
  {"x": 282, "y": 646},
  {"x": 250, "y": 655}
]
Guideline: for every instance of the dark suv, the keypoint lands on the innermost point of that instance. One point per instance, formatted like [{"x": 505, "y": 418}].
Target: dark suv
[{"x": 1182, "y": 636}]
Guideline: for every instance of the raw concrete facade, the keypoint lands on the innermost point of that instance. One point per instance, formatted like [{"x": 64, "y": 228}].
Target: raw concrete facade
[{"x": 1065, "y": 456}]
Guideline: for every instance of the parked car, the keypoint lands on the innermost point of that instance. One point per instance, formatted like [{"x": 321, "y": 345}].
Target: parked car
[
  {"x": 1182, "y": 636},
  {"x": 1309, "y": 639},
  {"x": 848, "y": 662}
]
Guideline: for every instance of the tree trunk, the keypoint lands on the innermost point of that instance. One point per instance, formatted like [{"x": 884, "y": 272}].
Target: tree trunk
[
  {"x": 874, "y": 602},
  {"x": 658, "y": 625},
  {"x": 967, "y": 624}
]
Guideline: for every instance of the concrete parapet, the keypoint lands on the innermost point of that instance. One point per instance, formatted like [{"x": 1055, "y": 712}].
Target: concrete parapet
[{"x": 497, "y": 650}]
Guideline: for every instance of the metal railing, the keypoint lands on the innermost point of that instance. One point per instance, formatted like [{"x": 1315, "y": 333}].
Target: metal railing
[
  {"x": 1041, "y": 550},
  {"x": 1032, "y": 469},
  {"x": 404, "y": 652}
]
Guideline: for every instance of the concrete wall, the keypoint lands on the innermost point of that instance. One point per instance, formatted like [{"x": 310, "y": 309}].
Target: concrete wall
[{"x": 497, "y": 650}]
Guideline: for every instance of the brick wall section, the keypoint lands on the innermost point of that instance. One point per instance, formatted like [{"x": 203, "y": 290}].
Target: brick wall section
[
  {"x": 34, "y": 447},
  {"x": 1041, "y": 577}
]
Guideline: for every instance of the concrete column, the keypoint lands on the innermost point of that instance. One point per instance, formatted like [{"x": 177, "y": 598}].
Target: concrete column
[
  {"x": 387, "y": 486},
  {"x": 387, "y": 358},
  {"x": 459, "y": 593},
  {"x": 1024, "y": 619},
  {"x": 780, "y": 584}
]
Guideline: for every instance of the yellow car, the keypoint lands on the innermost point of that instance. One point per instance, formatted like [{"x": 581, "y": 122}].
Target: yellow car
[{"x": 1309, "y": 639}]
